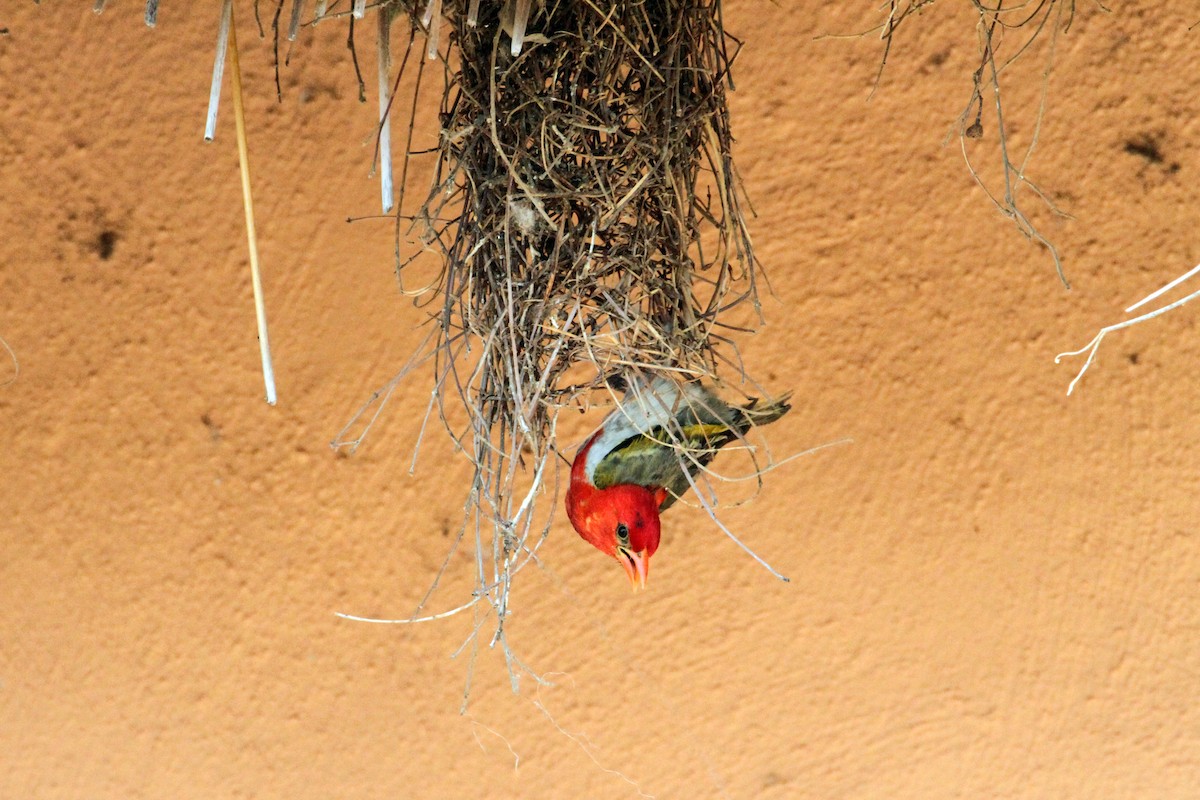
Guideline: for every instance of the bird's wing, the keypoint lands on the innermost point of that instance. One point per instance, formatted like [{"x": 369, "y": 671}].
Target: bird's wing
[
  {"x": 663, "y": 427},
  {"x": 657, "y": 459}
]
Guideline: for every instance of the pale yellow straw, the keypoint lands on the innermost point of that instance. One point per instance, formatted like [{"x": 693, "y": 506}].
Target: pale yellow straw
[{"x": 260, "y": 310}]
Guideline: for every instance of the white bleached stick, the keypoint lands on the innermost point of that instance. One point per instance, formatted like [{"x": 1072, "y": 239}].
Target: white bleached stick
[
  {"x": 214, "y": 93},
  {"x": 360, "y": 9},
  {"x": 260, "y": 310},
  {"x": 294, "y": 23},
  {"x": 520, "y": 21},
  {"x": 411, "y": 620},
  {"x": 432, "y": 20},
  {"x": 1163, "y": 290},
  {"x": 385, "y": 124},
  {"x": 1091, "y": 347}
]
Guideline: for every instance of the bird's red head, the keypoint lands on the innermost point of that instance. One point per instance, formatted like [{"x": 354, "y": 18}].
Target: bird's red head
[{"x": 620, "y": 521}]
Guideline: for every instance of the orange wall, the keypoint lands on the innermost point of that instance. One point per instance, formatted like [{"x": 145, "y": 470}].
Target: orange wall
[{"x": 995, "y": 590}]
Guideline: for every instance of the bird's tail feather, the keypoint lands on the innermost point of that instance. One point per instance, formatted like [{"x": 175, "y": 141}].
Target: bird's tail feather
[{"x": 753, "y": 414}]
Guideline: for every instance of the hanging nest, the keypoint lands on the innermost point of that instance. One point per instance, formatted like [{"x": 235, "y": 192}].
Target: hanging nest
[{"x": 587, "y": 215}]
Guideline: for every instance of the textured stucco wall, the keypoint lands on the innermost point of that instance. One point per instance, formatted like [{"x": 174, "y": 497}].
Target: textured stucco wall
[{"x": 995, "y": 590}]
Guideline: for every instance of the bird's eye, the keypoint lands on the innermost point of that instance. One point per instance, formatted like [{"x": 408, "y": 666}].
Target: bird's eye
[{"x": 623, "y": 532}]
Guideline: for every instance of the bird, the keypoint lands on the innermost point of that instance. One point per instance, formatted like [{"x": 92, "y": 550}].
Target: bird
[{"x": 633, "y": 467}]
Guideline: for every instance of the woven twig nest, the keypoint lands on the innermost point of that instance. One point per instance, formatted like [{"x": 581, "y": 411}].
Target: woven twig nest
[{"x": 586, "y": 211}]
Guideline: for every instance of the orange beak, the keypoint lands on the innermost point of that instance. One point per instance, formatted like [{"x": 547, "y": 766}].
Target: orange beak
[{"x": 636, "y": 565}]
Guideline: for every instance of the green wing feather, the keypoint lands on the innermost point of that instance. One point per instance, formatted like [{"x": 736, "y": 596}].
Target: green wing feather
[{"x": 658, "y": 458}]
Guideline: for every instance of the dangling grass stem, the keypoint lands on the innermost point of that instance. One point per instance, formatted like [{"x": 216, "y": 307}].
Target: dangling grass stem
[{"x": 260, "y": 310}]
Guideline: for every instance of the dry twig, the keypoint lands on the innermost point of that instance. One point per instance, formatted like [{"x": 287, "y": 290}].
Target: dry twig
[
  {"x": 1091, "y": 347},
  {"x": 1027, "y": 21}
]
